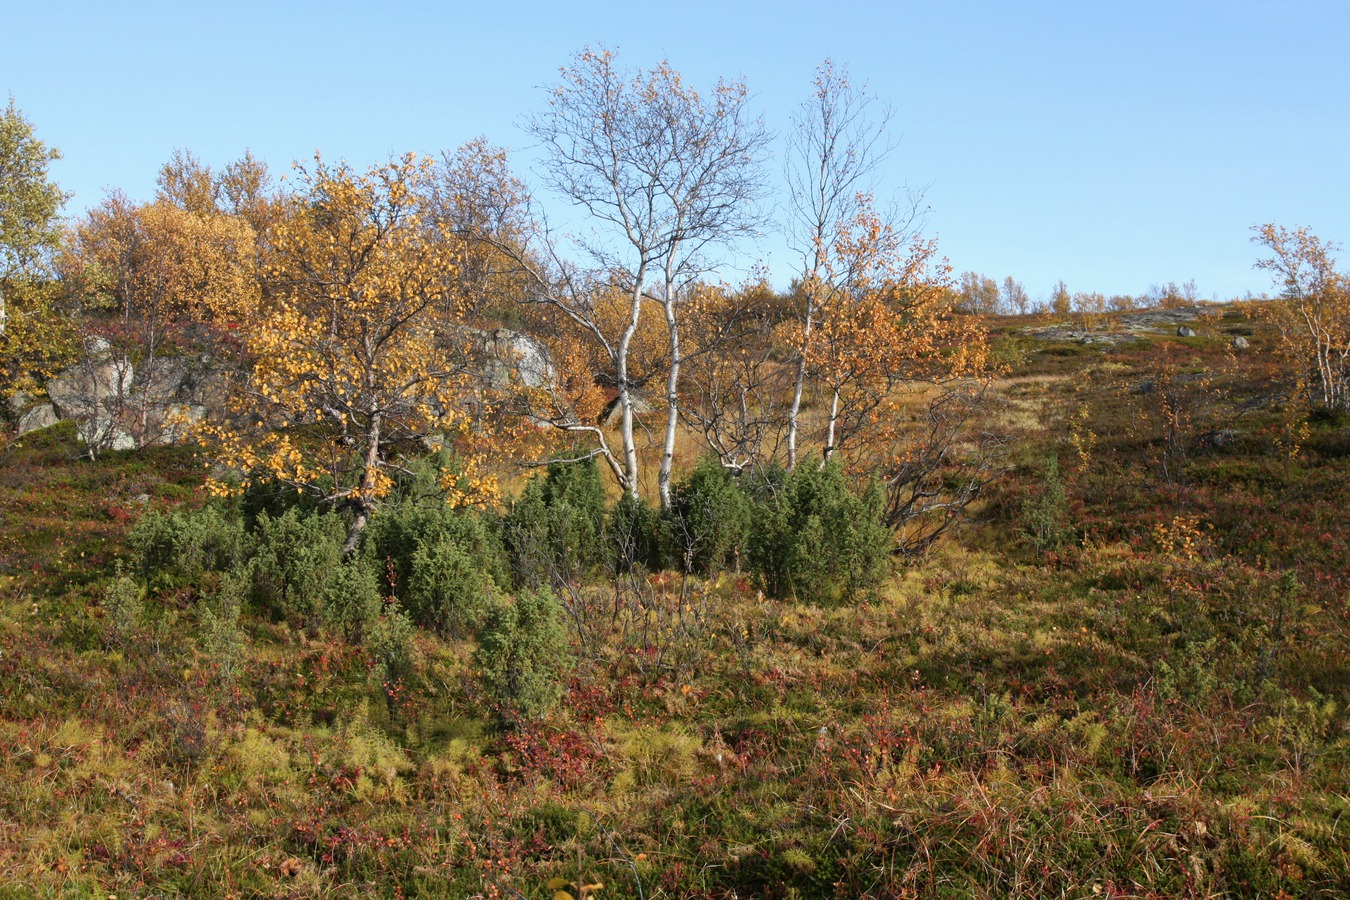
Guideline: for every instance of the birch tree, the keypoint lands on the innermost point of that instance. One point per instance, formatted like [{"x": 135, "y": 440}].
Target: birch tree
[
  {"x": 666, "y": 176},
  {"x": 351, "y": 349},
  {"x": 29, "y": 204},
  {"x": 837, "y": 140},
  {"x": 149, "y": 277},
  {"x": 35, "y": 340},
  {"x": 1313, "y": 312}
]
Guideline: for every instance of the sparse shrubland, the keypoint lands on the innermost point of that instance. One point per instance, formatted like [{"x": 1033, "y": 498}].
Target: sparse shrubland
[{"x": 1124, "y": 676}]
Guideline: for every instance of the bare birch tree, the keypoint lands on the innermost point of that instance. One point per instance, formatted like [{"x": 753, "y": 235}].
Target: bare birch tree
[{"x": 666, "y": 175}]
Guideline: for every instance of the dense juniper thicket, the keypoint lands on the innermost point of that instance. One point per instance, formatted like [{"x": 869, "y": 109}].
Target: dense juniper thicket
[{"x": 459, "y": 573}]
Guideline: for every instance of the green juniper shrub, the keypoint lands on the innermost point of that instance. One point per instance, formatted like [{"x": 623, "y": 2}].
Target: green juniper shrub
[
  {"x": 449, "y": 589},
  {"x": 272, "y": 497},
  {"x": 527, "y": 532},
  {"x": 123, "y": 608},
  {"x": 390, "y": 648},
  {"x": 818, "y": 540},
  {"x": 521, "y": 652},
  {"x": 1281, "y": 621},
  {"x": 295, "y": 563},
  {"x": 765, "y": 553},
  {"x": 177, "y": 549},
  {"x": 556, "y": 529},
  {"x": 439, "y": 561},
  {"x": 353, "y": 600},
  {"x": 635, "y": 535},
  {"x": 1045, "y": 514},
  {"x": 414, "y": 521},
  {"x": 576, "y": 487},
  {"x": 220, "y": 638},
  {"x": 710, "y": 519}
]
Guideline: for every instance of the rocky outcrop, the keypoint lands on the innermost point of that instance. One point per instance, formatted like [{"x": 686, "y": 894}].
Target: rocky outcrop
[
  {"x": 176, "y": 393},
  {"x": 93, "y": 393},
  {"x": 117, "y": 405},
  {"x": 40, "y": 416},
  {"x": 514, "y": 358},
  {"x": 120, "y": 406}
]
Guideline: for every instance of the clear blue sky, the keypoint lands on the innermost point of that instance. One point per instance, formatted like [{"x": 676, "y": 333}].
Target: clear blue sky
[{"x": 1114, "y": 145}]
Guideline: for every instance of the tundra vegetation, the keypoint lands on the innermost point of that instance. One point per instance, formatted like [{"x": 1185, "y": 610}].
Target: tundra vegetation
[{"x": 508, "y": 564}]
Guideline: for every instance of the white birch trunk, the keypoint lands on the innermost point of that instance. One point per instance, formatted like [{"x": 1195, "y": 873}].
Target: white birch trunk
[
  {"x": 672, "y": 399},
  {"x": 625, "y": 399},
  {"x": 828, "y": 451}
]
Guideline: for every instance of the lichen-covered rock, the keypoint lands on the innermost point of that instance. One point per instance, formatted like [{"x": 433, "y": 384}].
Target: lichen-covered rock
[
  {"x": 515, "y": 357},
  {"x": 40, "y": 416},
  {"x": 90, "y": 389},
  {"x": 118, "y": 406},
  {"x": 19, "y": 402}
]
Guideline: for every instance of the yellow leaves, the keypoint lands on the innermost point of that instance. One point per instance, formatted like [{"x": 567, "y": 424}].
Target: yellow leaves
[
  {"x": 1313, "y": 312},
  {"x": 378, "y": 484},
  {"x": 583, "y": 890},
  {"x": 359, "y": 344},
  {"x": 38, "y": 337},
  {"x": 473, "y": 486},
  {"x": 160, "y": 260},
  {"x": 1182, "y": 539}
]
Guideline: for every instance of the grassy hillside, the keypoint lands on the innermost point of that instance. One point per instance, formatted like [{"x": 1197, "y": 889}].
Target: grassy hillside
[{"x": 1126, "y": 677}]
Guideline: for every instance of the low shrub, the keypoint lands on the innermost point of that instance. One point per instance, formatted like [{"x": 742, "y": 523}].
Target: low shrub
[
  {"x": 389, "y": 645},
  {"x": 521, "y": 653},
  {"x": 353, "y": 599},
  {"x": 123, "y": 608},
  {"x": 709, "y": 524},
  {"x": 1045, "y": 513},
  {"x": 449, "y": 589},
  {"x": 295, "y": 564},
  {"x": 175, "y": 550},
  {"x": 634, "y": 535},
  {"x": 555, "y": 531},
  {"x": 416, "y": 519},
  {"x": 815, "y": 538}
]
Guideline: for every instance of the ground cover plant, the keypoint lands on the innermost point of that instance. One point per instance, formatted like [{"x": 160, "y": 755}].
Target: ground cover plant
[{"x": 1125, "y": 675}]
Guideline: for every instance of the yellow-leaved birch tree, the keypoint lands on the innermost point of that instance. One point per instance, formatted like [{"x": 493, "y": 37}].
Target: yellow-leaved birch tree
[
  {"x": 1313, "y": 312},
  {"x": 360, "y": 343}
]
